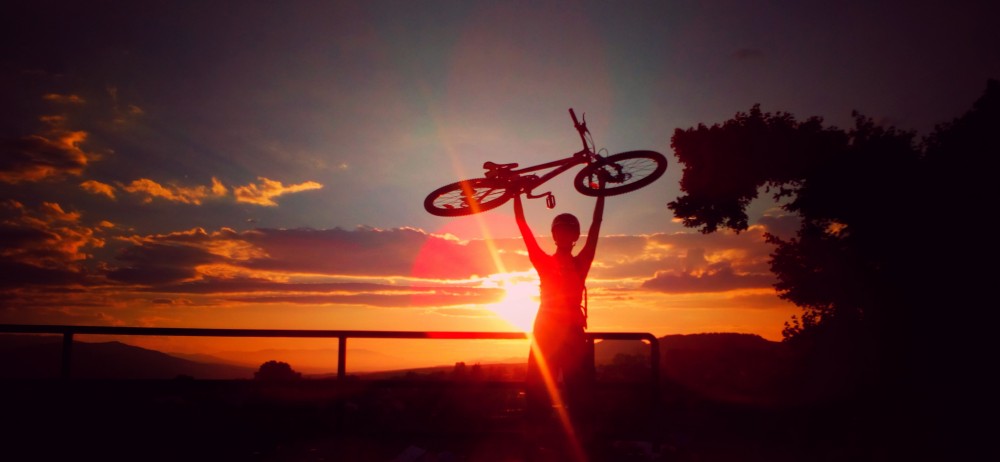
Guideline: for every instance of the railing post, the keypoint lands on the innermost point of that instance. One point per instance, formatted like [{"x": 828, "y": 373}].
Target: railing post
[
  {"x": 341, "y": 357},
  {"x": 67, "y": 353},
  {"x": 654, "y": 365},
  {"x": 591, "y": 361}
]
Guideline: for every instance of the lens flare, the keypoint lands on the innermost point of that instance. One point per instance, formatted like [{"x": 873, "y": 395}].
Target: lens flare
[{"x": 520, "y": 301}]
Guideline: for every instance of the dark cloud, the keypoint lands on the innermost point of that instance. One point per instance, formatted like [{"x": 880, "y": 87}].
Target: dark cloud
[
  {"x": 400, "y": 252},
  {"x": 19, "y": 237},
  {"x": 465, "y": 312},
  {"x": 37, "y": 157},
  {"x": 719, "y": 277},
  {"x": 213, "y": 285},
  {"x": 364, "y": 252},
  {"x": 785, "y": 226},
  {"x": 645, "y": 255},
  {"x": 150, "y": 274},
  {"x": 383, "y": 295},
  {"x": 423, "y": 298},
  {"x": 14, "y": 275},
  {"x": 155, "y": 263},
  {"x": 307, "y": 266},
  {"x": 44, "y": 244}
]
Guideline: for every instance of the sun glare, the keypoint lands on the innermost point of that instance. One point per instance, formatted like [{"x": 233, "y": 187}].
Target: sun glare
[{"x": 520, "y": 301}]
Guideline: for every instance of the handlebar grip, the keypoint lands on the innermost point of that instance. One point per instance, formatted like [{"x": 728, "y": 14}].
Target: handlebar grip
[
  {"x": 581, "y": 128},
  {"x": 573, "y": 114}
]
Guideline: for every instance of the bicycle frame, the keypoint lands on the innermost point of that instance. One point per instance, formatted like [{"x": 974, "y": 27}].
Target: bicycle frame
[
  {"x": 530, "y": 182},
  {"x": 600, "y": 176}
]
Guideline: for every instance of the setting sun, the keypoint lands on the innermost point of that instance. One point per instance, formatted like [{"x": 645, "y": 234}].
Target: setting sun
[{"x": 520, "y": 301}]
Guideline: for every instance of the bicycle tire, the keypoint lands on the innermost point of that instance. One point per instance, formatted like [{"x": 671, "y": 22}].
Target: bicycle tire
[
  {"x": 641, "y": 167},
  {"x": 467, "y": 197}
]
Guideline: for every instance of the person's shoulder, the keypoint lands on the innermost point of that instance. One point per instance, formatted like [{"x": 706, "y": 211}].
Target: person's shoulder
[{"x": 540, "y": 257}]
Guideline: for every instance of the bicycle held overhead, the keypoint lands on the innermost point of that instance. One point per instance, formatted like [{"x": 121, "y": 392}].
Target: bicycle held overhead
[{"x": 601, "y": 176}]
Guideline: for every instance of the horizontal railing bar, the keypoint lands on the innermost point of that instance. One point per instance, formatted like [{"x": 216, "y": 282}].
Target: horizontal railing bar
[
  {"x": 218, "y": 332},
  {"x": 304, "y": 333},
  {"x": 68, "y": 332}
]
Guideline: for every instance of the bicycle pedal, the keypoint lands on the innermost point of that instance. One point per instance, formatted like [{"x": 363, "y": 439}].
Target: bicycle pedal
[{"x": 550, "y": 201}]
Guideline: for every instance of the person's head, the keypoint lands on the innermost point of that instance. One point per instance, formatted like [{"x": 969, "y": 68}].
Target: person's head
[{"x": 565, "y": 229}]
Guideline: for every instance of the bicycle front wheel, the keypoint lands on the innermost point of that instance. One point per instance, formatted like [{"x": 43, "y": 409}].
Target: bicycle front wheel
[
  {"x": 623, "y": 172},
  {"x": 467, "y": 197}
]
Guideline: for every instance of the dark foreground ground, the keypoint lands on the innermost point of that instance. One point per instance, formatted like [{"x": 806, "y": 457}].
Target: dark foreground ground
[{"x": 316, "y": 420}]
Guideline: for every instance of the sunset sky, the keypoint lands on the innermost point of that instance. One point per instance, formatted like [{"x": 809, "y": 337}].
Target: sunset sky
[{"x": 263, "y": 164}]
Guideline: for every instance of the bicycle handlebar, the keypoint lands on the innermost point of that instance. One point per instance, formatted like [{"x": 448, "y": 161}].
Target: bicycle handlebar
[{"x": 581, "y": 128}]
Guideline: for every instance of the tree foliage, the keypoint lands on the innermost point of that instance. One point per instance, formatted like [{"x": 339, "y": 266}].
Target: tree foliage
[
  {"x": 276, "y": 371},
  {"x": 889, "y": 224}
]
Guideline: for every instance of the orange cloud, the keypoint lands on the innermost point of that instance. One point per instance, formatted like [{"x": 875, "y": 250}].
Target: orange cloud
[
  {"x": 184, "y": 194},
  {"x": 218, "y": 189},
  {"x": 380, "y": 295},
  {"x": 402, "y": 267},
  {"x": 264, "y": 192},
  {"x": 45, "y": 245},
  {"x": 122, "y": 116},
  {"x": 716, "y": 278},
  {"x": 673, "y": 263},
  {"x": 37, "y": 157},
  {"x": 301, "y": 253},
  {"x": 64, "y": 99},
  {"x": 96, "y": 187}
]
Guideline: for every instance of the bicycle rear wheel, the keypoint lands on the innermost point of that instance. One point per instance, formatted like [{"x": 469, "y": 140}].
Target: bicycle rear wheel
[
  {"x": 467, "y": 197},
  {"x": 623, "y": 172}
]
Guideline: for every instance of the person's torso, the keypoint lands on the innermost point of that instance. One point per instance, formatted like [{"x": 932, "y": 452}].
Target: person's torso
[{"x": 562, "y": 285}]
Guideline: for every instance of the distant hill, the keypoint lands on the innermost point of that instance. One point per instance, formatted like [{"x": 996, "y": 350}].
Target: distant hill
[
  {"x": 726, "y": 366},
  {"x": 676, "y": 349},
  {"x": 38, "y": 356},
  {"x": 717, "y": 366}
]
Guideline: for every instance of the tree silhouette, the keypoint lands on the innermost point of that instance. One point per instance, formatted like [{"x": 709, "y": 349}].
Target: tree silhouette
[
  {"x": 273, "y": 371},
  {"x": 884, "y": 254}
]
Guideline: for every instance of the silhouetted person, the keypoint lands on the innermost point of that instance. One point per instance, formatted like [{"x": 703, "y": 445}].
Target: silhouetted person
[{"x": 559, "y": 344}]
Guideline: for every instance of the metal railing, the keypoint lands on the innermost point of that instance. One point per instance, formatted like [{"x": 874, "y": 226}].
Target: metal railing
[{"x": 68, "y": 331}]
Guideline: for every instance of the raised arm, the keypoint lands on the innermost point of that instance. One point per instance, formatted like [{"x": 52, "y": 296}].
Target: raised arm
[
  {"x": 586, "y": 255},
  {"x": 522, "y": 224}
]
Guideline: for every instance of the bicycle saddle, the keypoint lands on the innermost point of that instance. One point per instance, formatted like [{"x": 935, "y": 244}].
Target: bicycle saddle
[{"x": 494, "y": 166}]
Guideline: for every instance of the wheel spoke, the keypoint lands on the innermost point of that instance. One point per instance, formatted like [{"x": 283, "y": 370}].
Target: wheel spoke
[
  {"x": 621, "y": 173},
  {"x": 468, "y": 197}
]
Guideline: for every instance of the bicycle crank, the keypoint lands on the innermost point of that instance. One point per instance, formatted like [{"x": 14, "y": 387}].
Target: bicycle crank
[{"x": 550, "y": 199}]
